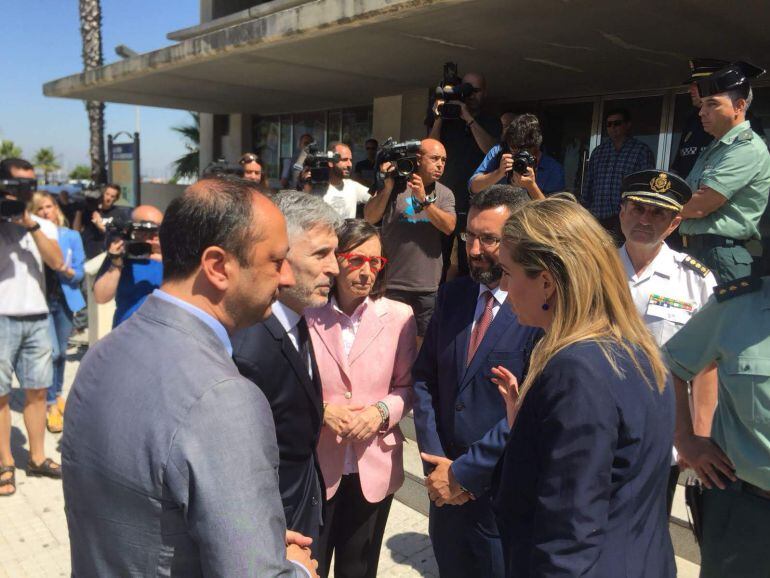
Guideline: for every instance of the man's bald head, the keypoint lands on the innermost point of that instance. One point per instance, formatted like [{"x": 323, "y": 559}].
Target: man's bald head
[
  {"x": 147, "y": 213},
  {"x": 431, "y": 160},
  {"x": 477, "y": 80}
]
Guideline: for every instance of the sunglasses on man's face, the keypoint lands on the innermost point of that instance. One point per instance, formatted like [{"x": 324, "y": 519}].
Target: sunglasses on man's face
[
  {"x": 614, "y": 123},
  {"x": 356, "y": 261}
]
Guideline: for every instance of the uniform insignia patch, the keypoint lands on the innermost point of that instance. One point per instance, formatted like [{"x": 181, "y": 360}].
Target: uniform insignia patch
[
  {"x": 696, "y": 266},
  {"x": 741, "y": 286},
  {"x": 660, "y": 184}
]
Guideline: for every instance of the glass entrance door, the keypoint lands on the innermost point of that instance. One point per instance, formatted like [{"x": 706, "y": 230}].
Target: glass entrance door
[{"x": 566, "y": 137}]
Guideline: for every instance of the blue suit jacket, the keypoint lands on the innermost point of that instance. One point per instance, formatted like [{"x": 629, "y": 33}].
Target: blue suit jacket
[
  {"x": 582, "y": 482},
  {"x": 458, "y": 412},
  {"x": 71, "y": 244}
]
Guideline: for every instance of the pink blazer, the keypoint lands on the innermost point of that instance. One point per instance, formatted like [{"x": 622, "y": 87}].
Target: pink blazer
[{"x": 378, "y": 369}]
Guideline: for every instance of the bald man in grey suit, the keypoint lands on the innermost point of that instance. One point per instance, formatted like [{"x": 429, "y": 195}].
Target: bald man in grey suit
[{"x": 170, "y": 460}]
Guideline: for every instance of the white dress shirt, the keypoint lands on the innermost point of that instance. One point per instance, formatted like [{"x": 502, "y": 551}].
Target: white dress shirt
[{"x": 499, "y": 298}]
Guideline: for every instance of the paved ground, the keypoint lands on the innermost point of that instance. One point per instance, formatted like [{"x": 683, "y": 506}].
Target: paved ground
[{"x": 33, "y": 529}]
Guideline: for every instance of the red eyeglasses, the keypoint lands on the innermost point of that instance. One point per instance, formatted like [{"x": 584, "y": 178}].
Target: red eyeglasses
[{"x": 356, "y": 261}]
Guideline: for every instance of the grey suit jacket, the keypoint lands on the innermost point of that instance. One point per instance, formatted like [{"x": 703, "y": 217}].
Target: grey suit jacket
[{"x": 169, "y": 457}]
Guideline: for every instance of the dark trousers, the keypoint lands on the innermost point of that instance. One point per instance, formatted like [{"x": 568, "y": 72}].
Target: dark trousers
[
  {"x": 352, "y": 531},
  {"x": 466, "y": 541},
  {"x": 726, "y": 263},
  {"x": 673, "y": 478},
  {"x": 736, "y": 534}
]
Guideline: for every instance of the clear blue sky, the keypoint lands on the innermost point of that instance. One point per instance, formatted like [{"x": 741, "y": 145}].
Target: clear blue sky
[{"x": 41, "y": 42}]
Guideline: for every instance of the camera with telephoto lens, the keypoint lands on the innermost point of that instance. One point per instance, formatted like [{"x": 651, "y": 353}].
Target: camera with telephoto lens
[
  {"x": 452, "y": 88},
  {"x": 318, "y": 163},
  {"x": 21, "y": 190},
  {"x": 134, "y": 247},
  {"x": 403, "y": 157}
]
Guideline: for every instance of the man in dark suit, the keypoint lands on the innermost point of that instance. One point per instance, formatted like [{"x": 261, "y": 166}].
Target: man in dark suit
[
  {"x": 277, "y": 356},
  {"x": 168, "y": 455},
  {"x": 461, "y": 423}
]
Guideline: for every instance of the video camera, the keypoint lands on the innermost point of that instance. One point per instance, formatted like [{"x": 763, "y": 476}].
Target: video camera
[
  {"x": 452, "y": 88},
  {"x": 318, "y": 163},
  {"x": 522, "y": 160},
  {"x": 134, "y": 248},
  {"x": 221, "y": 168},
  {"x": 21, "y": 190},
  {"x": 403, "y": 156}
]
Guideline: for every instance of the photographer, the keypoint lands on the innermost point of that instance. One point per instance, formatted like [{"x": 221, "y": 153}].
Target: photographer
[
  {"x": 105, "y": 214},
  {"x": 415, "y": 211},
  {"x": 26, "y": 243},
  {"x": 467, "y": 139},
  {"x": 130, "y": 278},
  {"x": 523, "y": 134}
]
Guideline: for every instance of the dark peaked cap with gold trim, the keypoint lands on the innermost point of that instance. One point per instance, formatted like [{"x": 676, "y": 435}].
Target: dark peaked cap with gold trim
[
  {"x": 734, "y": 76},
  {"x": 702, "y": 67},
  {"x": 658, "y": 188}
]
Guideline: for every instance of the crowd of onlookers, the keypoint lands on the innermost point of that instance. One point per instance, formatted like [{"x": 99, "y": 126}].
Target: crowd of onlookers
[{"x": 563, "y": 367}]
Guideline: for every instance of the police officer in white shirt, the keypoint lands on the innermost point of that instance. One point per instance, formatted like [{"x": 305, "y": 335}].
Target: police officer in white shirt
[{"x": 667, "y": 286}]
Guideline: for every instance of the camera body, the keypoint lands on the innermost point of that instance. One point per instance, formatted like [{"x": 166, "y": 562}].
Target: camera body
[
  {"x": 452, "y": 90},
  {"x": 318, "y": 163},
  {"x": 134, "y": 248},
  {"x": 403, "y": 156},
  {"x": 21, "y": 190},
  {"x": 522, "y": 160}
]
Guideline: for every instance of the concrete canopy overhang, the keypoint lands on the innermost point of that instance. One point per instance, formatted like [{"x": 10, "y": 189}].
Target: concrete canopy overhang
[{"x": 338, "y": 53}]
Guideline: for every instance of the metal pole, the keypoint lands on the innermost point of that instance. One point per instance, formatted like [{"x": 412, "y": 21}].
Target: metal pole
[
  {"x": 137, "y": 171},
  {"x": 109, "y": 158}
]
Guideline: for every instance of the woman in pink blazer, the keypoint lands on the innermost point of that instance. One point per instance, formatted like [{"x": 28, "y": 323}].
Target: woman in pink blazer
[{"x": 364, "y": 348}]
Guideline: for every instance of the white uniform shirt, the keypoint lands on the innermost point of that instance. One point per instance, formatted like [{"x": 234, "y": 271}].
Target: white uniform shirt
[
  {"x": 668, "y": 292},
  {"x": 346, "y": 199},
  {"x": 22, "y": 282}
]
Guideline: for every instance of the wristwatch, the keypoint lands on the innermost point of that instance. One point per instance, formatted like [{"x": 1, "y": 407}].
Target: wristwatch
[
  {"x": 33, "y": 228},
  {"x": 384, "y": 415}
]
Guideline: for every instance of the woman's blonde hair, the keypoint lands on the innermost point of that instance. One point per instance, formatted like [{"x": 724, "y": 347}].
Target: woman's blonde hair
[
  {"x": 591, "y": 299},
  {"x": 37, "y": 199}
]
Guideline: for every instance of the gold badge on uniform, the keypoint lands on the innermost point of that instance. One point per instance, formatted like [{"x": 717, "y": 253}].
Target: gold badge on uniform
[{"x": 660, "y": 184}]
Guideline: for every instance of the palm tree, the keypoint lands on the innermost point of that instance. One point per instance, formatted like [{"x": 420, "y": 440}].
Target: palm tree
[
  {"x": 45, "y": 160},
  {"x": 91, "y": 34},
  {"x": 187, "y": 165},
  {"x": 8, "y": 150}
]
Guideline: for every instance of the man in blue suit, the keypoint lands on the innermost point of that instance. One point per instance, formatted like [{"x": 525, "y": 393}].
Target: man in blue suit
[{"x": 460, "y": 420}]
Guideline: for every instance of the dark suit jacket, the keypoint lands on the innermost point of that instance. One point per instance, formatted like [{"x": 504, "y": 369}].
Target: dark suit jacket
[
  {"x": 582, "y": 486},
  {"x": 458, "y": 412},
  {"x": 265, "y": 354}
]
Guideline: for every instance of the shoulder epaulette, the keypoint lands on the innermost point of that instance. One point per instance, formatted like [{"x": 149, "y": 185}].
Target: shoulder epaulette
[
  {"x": 695, "y": 265},
  {"x": 738, "y": 287},
  {"x": 747, "y": 134}
]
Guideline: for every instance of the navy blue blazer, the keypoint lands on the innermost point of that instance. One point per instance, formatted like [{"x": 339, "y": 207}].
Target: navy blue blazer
[
  {"x": 458, "y": 412},
  {"x": 582, "y": 483}
]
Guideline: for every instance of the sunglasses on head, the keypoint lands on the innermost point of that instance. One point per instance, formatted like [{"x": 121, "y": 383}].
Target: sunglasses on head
[
  {"x": 249, "y": 158},
  {"x": 611, "y": 123},
  {"x": 356, "y": 261}
]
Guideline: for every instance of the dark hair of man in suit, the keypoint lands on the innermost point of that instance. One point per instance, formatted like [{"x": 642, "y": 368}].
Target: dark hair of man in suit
[
  {"x": 8, "y": 165},
  {"x": 500, "y": 196},
  {"x": 215, "y": 211},
  {"x": 353, "y": 233}
]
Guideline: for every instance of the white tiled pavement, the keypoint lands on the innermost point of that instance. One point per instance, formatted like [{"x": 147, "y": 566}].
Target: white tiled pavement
[{"x": 33, "y": 529}]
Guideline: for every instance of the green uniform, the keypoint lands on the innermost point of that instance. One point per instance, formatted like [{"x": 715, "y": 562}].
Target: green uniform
[
  {"x": 734, "y": 331},
  {"x": 737, "y": 166}
]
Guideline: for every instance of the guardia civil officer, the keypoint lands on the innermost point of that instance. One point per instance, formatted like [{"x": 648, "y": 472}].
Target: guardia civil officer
[
  {"x": 667, "y": 287},
  {"x": 694, "y": 138},
  {"x": 734, "y": 462},
  {"x": 730, "y": 178}
]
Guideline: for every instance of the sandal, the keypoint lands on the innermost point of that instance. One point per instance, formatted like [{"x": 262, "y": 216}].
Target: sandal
[
  {"x": 8, "y": 482},
  {"x": 48, "y": 469},
  {"x": 55, "y": 420},
  {"x": 60, "y": 403}
]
